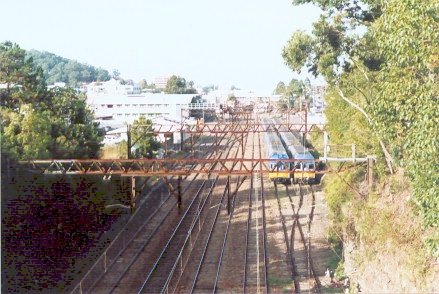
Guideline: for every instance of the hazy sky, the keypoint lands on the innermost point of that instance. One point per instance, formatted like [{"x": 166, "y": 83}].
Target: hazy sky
[{"x": 222, "y": 42}]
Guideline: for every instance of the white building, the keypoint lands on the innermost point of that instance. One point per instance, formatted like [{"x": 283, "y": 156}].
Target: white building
[
  {"x": 117, "y": 110},
  {"x": 110, "y": 87},
  {"x": 161, "y": 81}
]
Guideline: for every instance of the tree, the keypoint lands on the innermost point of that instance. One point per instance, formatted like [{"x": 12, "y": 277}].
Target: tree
[
  {"x": 116, "y": 74},
  {"x": 280, "y": 88},
  {"x": 177, "y": 85},
  {"x": 73, "y": 131},
  {"x": 143, "y": 84},
  {"x": 387, "y": 74},
  {"x": 39, "y": 123},
  {"x": 145, "y": 143},
  {"x": 71, "y": 72},
  {"x": 24, "y": 82},
  {"x": 26, "y": 135}
]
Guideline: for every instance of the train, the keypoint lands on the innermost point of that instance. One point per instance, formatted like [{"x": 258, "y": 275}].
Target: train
[
  {"x": 304, "y": 170},
  {"x": 276, "y": 150}
]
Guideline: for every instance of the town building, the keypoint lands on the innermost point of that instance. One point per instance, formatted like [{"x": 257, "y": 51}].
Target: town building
[
  {"x": 117, "y": 110},
  {"x": 161, "y": 81}
]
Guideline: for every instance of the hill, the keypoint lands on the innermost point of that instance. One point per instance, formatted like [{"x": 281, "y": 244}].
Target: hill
[{"x": 71, "y": 72}]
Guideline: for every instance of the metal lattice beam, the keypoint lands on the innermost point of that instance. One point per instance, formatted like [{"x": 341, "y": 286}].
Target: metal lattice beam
[{"x": 159, "y": 167}]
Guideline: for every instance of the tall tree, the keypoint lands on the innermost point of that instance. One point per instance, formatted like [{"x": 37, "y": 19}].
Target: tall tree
[
  {"x": 280, "y": 88},
  {"x": 24, "y": 83},
  {"x": 146, "y": 144},
  {"x": 73, "y": 131},
  {"x": 177, "y": 85},
  {"x": 381, "y": 58}
]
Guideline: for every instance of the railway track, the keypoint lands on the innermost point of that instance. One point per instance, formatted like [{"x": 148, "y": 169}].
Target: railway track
[
  {"x": 289, "y": 252},
  {"x": 144, "y": 231},
  {"x": 256, "y": 265},
  {"x": 165, "y": 262},
  {"x": 193, "y": 251},
  {"x": 305, "y": 278},
  {"x": 207, "y": 276},
  {"x": 161, "y": 272}
]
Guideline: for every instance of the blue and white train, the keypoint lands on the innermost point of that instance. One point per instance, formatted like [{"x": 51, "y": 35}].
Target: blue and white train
[
  {"x": 305, "y": 169},
  {"x": 280, "y": 171}
]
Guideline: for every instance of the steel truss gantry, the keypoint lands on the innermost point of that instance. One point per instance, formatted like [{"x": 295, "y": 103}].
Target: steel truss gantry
[{"x": 156, "y": 167}]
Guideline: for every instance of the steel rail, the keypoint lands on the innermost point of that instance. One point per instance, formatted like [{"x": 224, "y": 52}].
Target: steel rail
[
  {"x": 144, "y": 243},
  {"x": 200, "y": 210},
  {"x": 174, "y": 233},
  {"x": 225, "y": 238},
  {"x": 79, "y": 286},
  {"x": 264, "y": 226},
  {"x": 227, "y": 228},
  {"x": 289, "y": 252},
  {"x": 194, "y": 222},
  {"x": 306, "y": 244},
  {"x": 247, "y": 236},
  {"x": 200, "y": 264}
]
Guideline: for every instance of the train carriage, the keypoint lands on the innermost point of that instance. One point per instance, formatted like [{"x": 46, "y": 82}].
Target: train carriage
[
  {"x": 275, "y": 150},
  {"x": 304, "y": 171}
]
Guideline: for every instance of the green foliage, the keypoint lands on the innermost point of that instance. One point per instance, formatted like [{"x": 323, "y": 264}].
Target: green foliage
[
  {"x": 145, "y": 143},
  {"x": 24, "y": 82},
  {"x": 74, "y": 132},
  {"x": 390, "y": 71},
  {"x": 297, "y": 50},
  {"x": 280, "y": 88},
  {"x": 178, "y": 85},
  {"x": 408, "y": 38},
  {"x": 39, "y": 123},
  {"x": 71, "y": 72},
  {"x": 296, "y": 88},
  {"x": 26, "y": 134},
  {"x": 337, "y": 194}
]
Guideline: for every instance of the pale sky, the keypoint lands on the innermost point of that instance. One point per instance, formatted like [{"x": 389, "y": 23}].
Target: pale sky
[{"x": 222, "y": 42}]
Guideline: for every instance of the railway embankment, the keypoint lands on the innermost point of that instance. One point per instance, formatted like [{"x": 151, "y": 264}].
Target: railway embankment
[{"x": 378, "y": 236}]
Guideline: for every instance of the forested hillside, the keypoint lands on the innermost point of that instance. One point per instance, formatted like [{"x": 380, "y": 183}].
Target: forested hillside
[
  {"x": 71, "y": 72},
  {"x": 380, "y": 60}
]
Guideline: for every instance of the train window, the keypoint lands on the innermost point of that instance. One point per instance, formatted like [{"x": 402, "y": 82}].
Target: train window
[
  {"x": 311, "y": 166},
  {"x": 298, "y": 165}
]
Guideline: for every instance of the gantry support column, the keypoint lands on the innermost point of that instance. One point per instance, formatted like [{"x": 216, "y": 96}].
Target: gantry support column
[
  {"x": 128, "y": 141},
  {"x": 179, "y": 201},
  {"x": 176, "y": 192},
  {"x": 242, "y": 144},
  {"x": 228, "y": 194},
  {"x": 133, "y": 194}
]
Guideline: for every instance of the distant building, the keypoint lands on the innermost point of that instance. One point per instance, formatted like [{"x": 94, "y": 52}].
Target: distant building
[
  {"x": 317, "y": 94},
  {"x": 57, "y": 85},
  {"x": 110, "y": 87},
  {"x": 161, "y": 81},
  {"x": 120, "y": 109}
]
